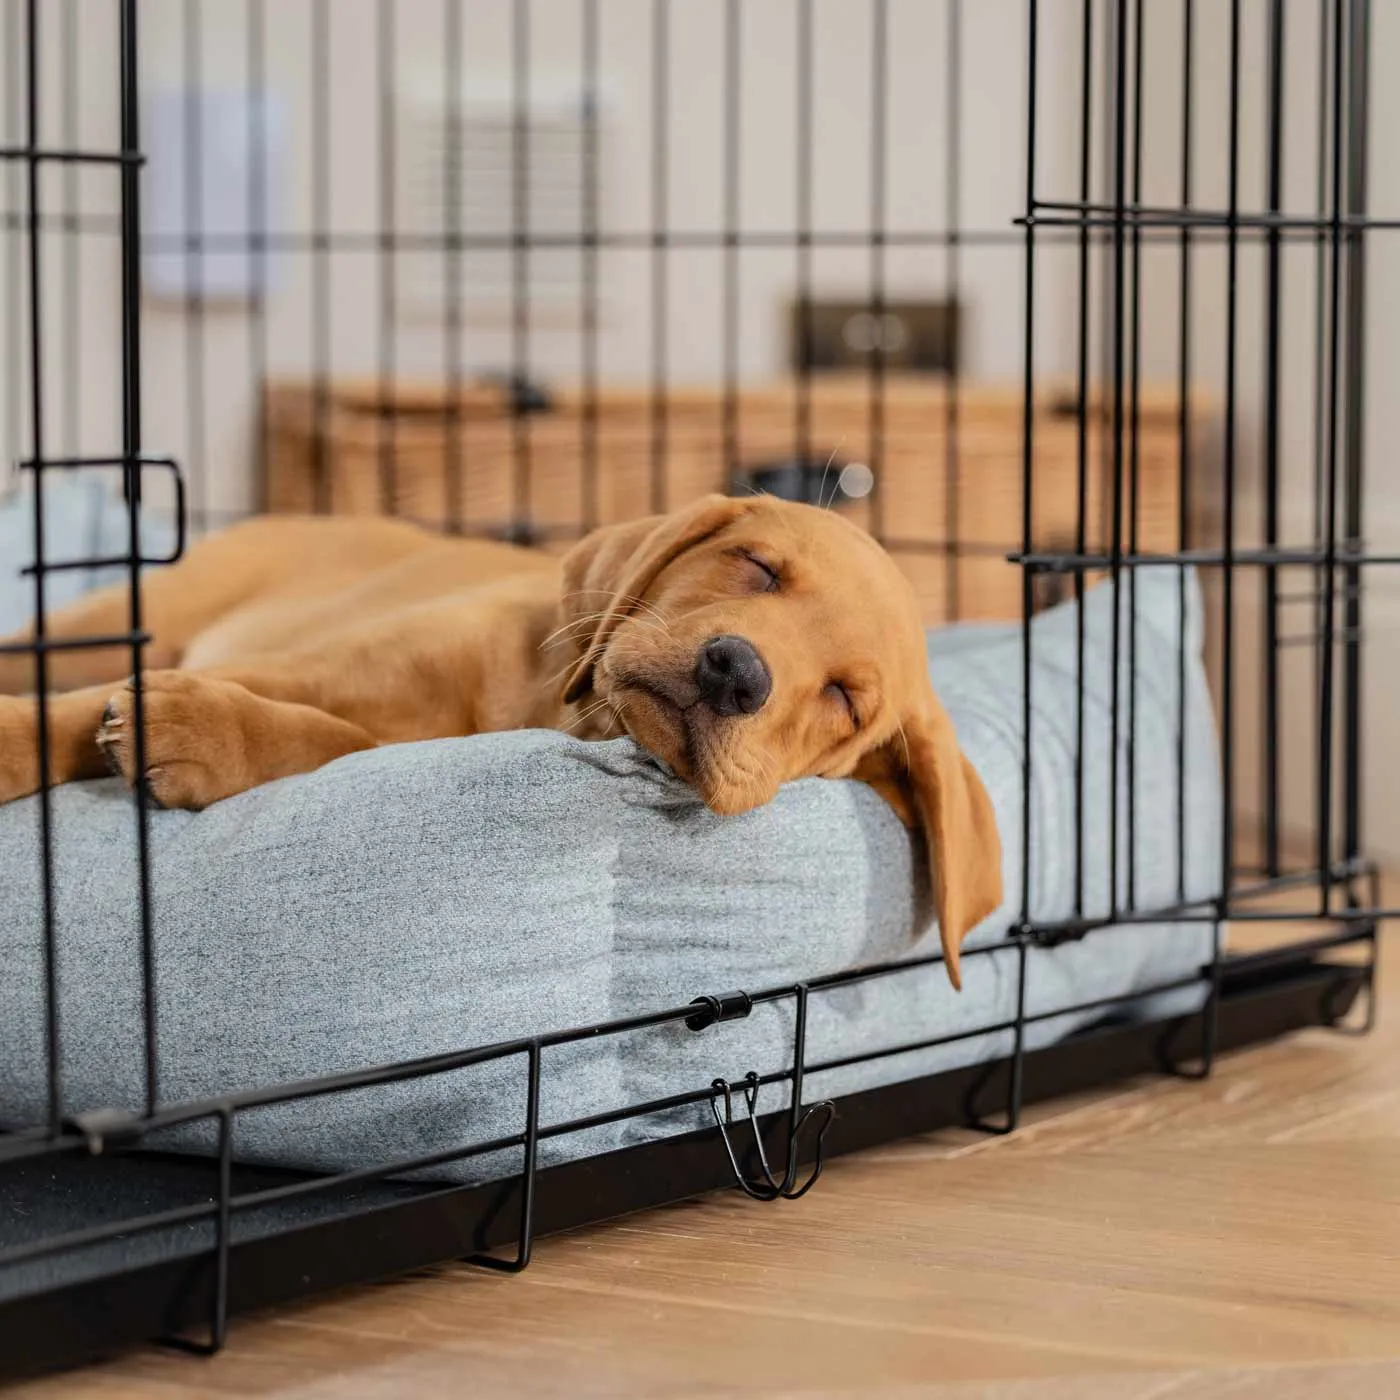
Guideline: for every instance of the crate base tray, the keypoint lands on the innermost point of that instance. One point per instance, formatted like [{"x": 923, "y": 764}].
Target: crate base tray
[{"x": 84, "y": 1305}]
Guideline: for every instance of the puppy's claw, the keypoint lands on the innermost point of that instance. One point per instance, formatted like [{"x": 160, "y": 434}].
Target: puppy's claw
[{"x": 107, "y": 747}]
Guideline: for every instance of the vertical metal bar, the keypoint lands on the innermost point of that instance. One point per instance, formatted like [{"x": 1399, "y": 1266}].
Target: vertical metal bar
[
  {"x": 72, "y": 266},
  {"x": 1326, "y": 641},
  {"x": 452, "y": 264},
  {"x": 529, "y": 1171},
  {"x": 1081, "y": 528},
  {"x": 1018, "y": 1052},
  {"x": 952, "y": 281},
  {"x": 1120, "y": 166},
  {"x": 589, "y": 280},
  {"x": 879, "y": 180},
  {"x": 1358, "y": 153},
  {"x": 14, "y": 242},
  {"x": 733, "y": 178},
  {"x": 1184, "y": 431},
  {"x": 1104, "y": 237},
  {"x": 1324, "y": 87},
  {"x": 131, "y": 451},
  {"x": 520, "y": 259},
  {"x": 34, "y": 245},
  {"x": 802, "y": 404},
  {"x": 1227, "y": 683},
  {"x": 1273, "y": 354},
  {"x": 799, "y": 1075},
  {"x": 1028, "y": 453},
  {"x": 660, "y": 200},
  {"x": 1229, "y": 476},
  {"x": 192, "y": 150},
  {"x": 1373, "y": 892},
  {"x": 223, "y": 1233},
  {"x": 1210, "y": 1012},
  {"x": 257, "y": 243},
  {"x": 321, "y": 157},
  {"x": 1134, "y": 443},
  {"x": 388, "y": 256}
]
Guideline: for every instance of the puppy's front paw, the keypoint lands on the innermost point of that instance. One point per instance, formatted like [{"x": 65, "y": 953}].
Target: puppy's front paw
[
  {"x": 184, "y": 759},
  {"x": 19, "y": 749}
]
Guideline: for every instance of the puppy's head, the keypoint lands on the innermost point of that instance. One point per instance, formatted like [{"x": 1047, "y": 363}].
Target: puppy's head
[{"x": 750, "y": 642}]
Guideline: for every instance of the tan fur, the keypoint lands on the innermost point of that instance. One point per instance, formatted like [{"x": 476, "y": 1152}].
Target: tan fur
[{"x": 285, "y": 643}]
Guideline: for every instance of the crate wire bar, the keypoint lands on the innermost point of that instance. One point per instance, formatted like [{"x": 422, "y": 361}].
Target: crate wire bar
[{"x": 1248, "y": 996}]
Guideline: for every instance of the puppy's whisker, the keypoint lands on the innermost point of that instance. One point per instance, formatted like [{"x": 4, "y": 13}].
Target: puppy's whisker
[
  {"x": 592, "y": 619},
  {"x": 586, "y": 715},
  {"x": 903, "y": 739},
  {"x": 569, "y": 627},
  {"x": 650, "y": 608},
  {"x": 627, "y": 598},
  {"x": 821, "y": 489}
]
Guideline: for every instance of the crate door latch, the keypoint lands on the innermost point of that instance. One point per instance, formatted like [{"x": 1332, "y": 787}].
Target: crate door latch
[{"x": 768, "y": 1187}]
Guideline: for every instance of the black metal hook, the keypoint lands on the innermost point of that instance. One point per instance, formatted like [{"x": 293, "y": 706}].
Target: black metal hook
[{"x": 769, "y": 1188}]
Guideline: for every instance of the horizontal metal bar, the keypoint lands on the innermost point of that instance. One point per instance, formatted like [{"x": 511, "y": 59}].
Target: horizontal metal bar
[
  {"x": 112, "y": 639},
  {"x": 1198, "y": 558},
  {"x": 140, "y": 459},
  {"x": 1307, "y": 947},
  {"x": 1106, "y": 217},
  {"x": 108, "y": 561},
  {"x": 1339, "y": 874},
  {"x": 1188, "y": 216},
  {"x": 46, "y": 154},
  {"x": 1221, "y": 909},
  {"x": 1339, "y": 635},
  {"x": 1372, "y": 914}
]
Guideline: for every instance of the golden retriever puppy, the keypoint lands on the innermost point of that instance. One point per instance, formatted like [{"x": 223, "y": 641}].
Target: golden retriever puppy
[{"x": 744, "y": 642}]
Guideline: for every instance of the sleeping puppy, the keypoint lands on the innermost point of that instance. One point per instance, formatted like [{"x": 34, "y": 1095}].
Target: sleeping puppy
[{"x": 743, "y": 642}]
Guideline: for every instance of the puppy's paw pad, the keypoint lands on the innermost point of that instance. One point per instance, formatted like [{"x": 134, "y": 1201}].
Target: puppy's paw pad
[{"x": 174, "y": 765}]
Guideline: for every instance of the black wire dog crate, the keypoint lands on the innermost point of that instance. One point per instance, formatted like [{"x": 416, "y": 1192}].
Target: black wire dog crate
[{"x": 204, "y": 196}]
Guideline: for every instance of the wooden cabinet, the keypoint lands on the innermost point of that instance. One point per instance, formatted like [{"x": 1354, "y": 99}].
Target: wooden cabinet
[{"x": 948, "y": 499}]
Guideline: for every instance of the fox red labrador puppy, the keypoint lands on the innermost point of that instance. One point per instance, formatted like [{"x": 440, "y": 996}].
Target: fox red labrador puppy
[{"x": 744, "y": 642}]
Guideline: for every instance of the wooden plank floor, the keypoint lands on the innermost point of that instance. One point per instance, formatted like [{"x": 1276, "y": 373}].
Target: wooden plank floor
[{"x": 1239, "y": 1238}]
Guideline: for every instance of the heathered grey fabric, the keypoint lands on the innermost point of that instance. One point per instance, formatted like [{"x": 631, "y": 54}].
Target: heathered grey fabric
[{"x": 426, "y": 898}]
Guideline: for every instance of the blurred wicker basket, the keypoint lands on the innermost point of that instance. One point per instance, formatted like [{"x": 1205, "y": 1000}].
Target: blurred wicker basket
[{"x": 469, "y": 461}]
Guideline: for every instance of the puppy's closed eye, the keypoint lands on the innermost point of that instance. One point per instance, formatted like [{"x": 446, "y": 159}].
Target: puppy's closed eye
[
  {"x": 767, "y": 577},
  {"x": 842, "y": 696}
]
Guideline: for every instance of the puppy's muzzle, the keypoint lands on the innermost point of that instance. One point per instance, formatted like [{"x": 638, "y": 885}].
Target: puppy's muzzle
[{"x": 732, "y": 678}]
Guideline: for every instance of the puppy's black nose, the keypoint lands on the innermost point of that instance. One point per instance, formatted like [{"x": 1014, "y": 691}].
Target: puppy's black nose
[{"x": 732, "y": 677}]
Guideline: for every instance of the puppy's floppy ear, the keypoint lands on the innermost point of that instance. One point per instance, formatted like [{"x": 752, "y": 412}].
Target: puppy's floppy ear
[
  {"x": 926, "y": 778},
  {"x": 609, "y": 570}
]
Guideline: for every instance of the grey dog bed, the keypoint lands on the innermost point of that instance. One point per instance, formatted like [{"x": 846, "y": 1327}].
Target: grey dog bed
[{"x": 425, "y": 898}]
